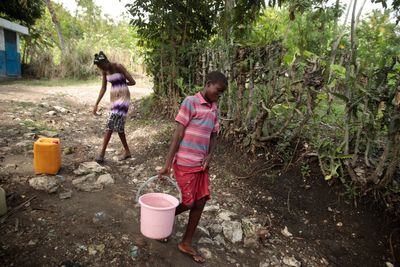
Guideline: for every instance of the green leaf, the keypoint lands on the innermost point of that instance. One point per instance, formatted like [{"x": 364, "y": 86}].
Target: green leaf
[
  {"x": 341, "y": 96},
  {"x": 339, "y": 71}
]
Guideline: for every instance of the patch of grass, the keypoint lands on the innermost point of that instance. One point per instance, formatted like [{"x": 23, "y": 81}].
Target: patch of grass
[
  {"x": 146, "y": 107},
  {"x": 38, "y": 126},
  {"x": 50, "y": 83},
  {"x": 138, "y": 123},
  {"x": 24, "y": 104}
]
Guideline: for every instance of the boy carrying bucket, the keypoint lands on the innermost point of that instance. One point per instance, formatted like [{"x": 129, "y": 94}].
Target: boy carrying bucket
[{"x": 190, "y": 153}]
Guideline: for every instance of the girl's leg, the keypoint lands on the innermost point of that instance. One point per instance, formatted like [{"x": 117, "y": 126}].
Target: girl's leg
[
  {"x": 107, "y": 136},
  {"x": 127, "y": 152}
]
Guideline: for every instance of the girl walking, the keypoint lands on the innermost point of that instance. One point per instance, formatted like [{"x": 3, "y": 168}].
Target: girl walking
[{"x": 119, "y": 78}]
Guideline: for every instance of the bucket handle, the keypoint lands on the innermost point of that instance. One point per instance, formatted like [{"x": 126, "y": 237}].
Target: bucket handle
[{"x": 151, "y": 179}]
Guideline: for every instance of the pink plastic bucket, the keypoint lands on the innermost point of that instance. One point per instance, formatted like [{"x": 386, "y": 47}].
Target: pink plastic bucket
[{"x": 157, "y": 214}]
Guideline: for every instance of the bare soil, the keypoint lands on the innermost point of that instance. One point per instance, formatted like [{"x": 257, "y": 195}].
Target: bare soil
[{"x": 327, "y": 228}]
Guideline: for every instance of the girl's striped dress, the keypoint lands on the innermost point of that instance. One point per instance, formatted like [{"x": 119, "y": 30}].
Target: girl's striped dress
[{"x": 120, "y": 100}]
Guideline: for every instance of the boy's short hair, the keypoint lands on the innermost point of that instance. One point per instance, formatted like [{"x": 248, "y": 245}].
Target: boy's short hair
[{"x": 217, "y": 77}]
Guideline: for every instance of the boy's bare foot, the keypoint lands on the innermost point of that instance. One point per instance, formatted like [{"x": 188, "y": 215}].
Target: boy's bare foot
[{"x": 189, "y": 251}]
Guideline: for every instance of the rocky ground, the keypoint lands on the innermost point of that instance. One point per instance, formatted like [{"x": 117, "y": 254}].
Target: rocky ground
[{"x": 87, "y": 214}]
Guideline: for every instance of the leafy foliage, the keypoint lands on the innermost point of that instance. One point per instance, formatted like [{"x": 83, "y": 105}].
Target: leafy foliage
[
  {"x": 86, "y": 32},
  {"x": 23, "y": 11}
]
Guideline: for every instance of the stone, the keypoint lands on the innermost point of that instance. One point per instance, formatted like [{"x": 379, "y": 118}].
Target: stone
[
  {"x": 5, "y": 149},
  {"x": 286, "y": 232},
  {"x": 69, "y": 150},
  {"x": 94, "y": 249},
  {"x": 215, "y": 229},
  {"x": 265, "y": 263},
  {"x": 44, "y": 105},
  {"x": 211, "y": 208},
  {"x": 51, "y": 113},
  {"x": 249, "y": 242},
  {"x": 61, "y": 109},
  {"x": 232, "y": 231},
  {"x": 10, "y": 166},
  {"x": 291, "y": 261},
  {"x": 205, "y": 252},
  {"x": 32, "y": 242},
  {"x": 50, "y": 184},
  {"x": 205, "y": 240},
  {"x": 249, "y": 227},
  {"x": 231, "y": 260},
  {"x": 89, "y": 167},
  {"x": 105, "y": 179},
  {"x": 29, "y": 135},
  {"x": 203, "y": 230},
  {"x": 99, "y": 217},
  {"x": 87, "y": 183},
  {"x": 219, "y": 240},
  {"x": 24, "y": 144},
  {"x": 226, "y": 215},
  {"x": 65, "y": 195},
  {"x": 158, "y": 168}
]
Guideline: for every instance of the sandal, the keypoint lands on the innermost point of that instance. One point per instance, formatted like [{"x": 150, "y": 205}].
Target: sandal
[
  {"x": 124, "y": 157},
  {"x": 99, "y": 159},
  {"x": 195, "y": 256}
]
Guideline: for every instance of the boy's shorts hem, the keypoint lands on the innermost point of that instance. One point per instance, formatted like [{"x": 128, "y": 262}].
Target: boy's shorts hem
[{"x": 193, "y": 183}]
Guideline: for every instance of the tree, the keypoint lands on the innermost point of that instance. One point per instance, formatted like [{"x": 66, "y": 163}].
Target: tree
[
  {"x": 56, "y": 25},
  {"x": 168, "y": 30},
  {"x": 23, "y": 11},
  {"x": 395, "y": 7}
]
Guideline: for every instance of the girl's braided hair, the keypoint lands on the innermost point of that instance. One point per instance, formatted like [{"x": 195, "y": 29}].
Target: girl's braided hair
[{"x": 100, "y": 58}]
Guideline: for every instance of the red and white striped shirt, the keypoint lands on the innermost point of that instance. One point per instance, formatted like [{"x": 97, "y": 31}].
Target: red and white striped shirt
[{"x": 200, "y": 119}]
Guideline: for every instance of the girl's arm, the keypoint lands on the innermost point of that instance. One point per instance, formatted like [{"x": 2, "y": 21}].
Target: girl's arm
[
  {"x": 102, "y": 92},
  {"x": 127, "y": 75},
  {"x": 173, "y": 148}
]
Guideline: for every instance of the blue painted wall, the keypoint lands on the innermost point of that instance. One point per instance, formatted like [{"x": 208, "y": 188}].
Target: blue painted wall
[
  {"x": 2, "y": 63},
  {"x": 10, "y": 59},
  {"x": 13, "y": 64}
]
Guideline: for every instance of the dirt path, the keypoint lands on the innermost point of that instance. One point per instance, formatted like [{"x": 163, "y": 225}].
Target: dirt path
[
  {"x": 241, "y": 226},
  {"x": 85, "y": 94}
]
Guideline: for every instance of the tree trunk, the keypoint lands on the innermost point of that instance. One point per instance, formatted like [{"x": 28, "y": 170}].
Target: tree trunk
[
  {"x": 229, "y": 5},
  {"x": 359, "y": 12},
  {"x": 241, "y": 87},
  {"x": 350, "y": 62},
  {"x": 251, "y": 96},
  {"x": 260, "y": 119},
  {"x": 337, "y": 42},
  {"x": 391, "y": 169},
  {"x": 56, "y": 25}
]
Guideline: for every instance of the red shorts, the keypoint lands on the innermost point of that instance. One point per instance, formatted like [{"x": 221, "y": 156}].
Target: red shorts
[{"x": 193, "y": 182}]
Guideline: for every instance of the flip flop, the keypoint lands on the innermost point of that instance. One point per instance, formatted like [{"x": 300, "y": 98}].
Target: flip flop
[
  {"x": 124, "y": 157},
  {"x": 196, "y": 257}
]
